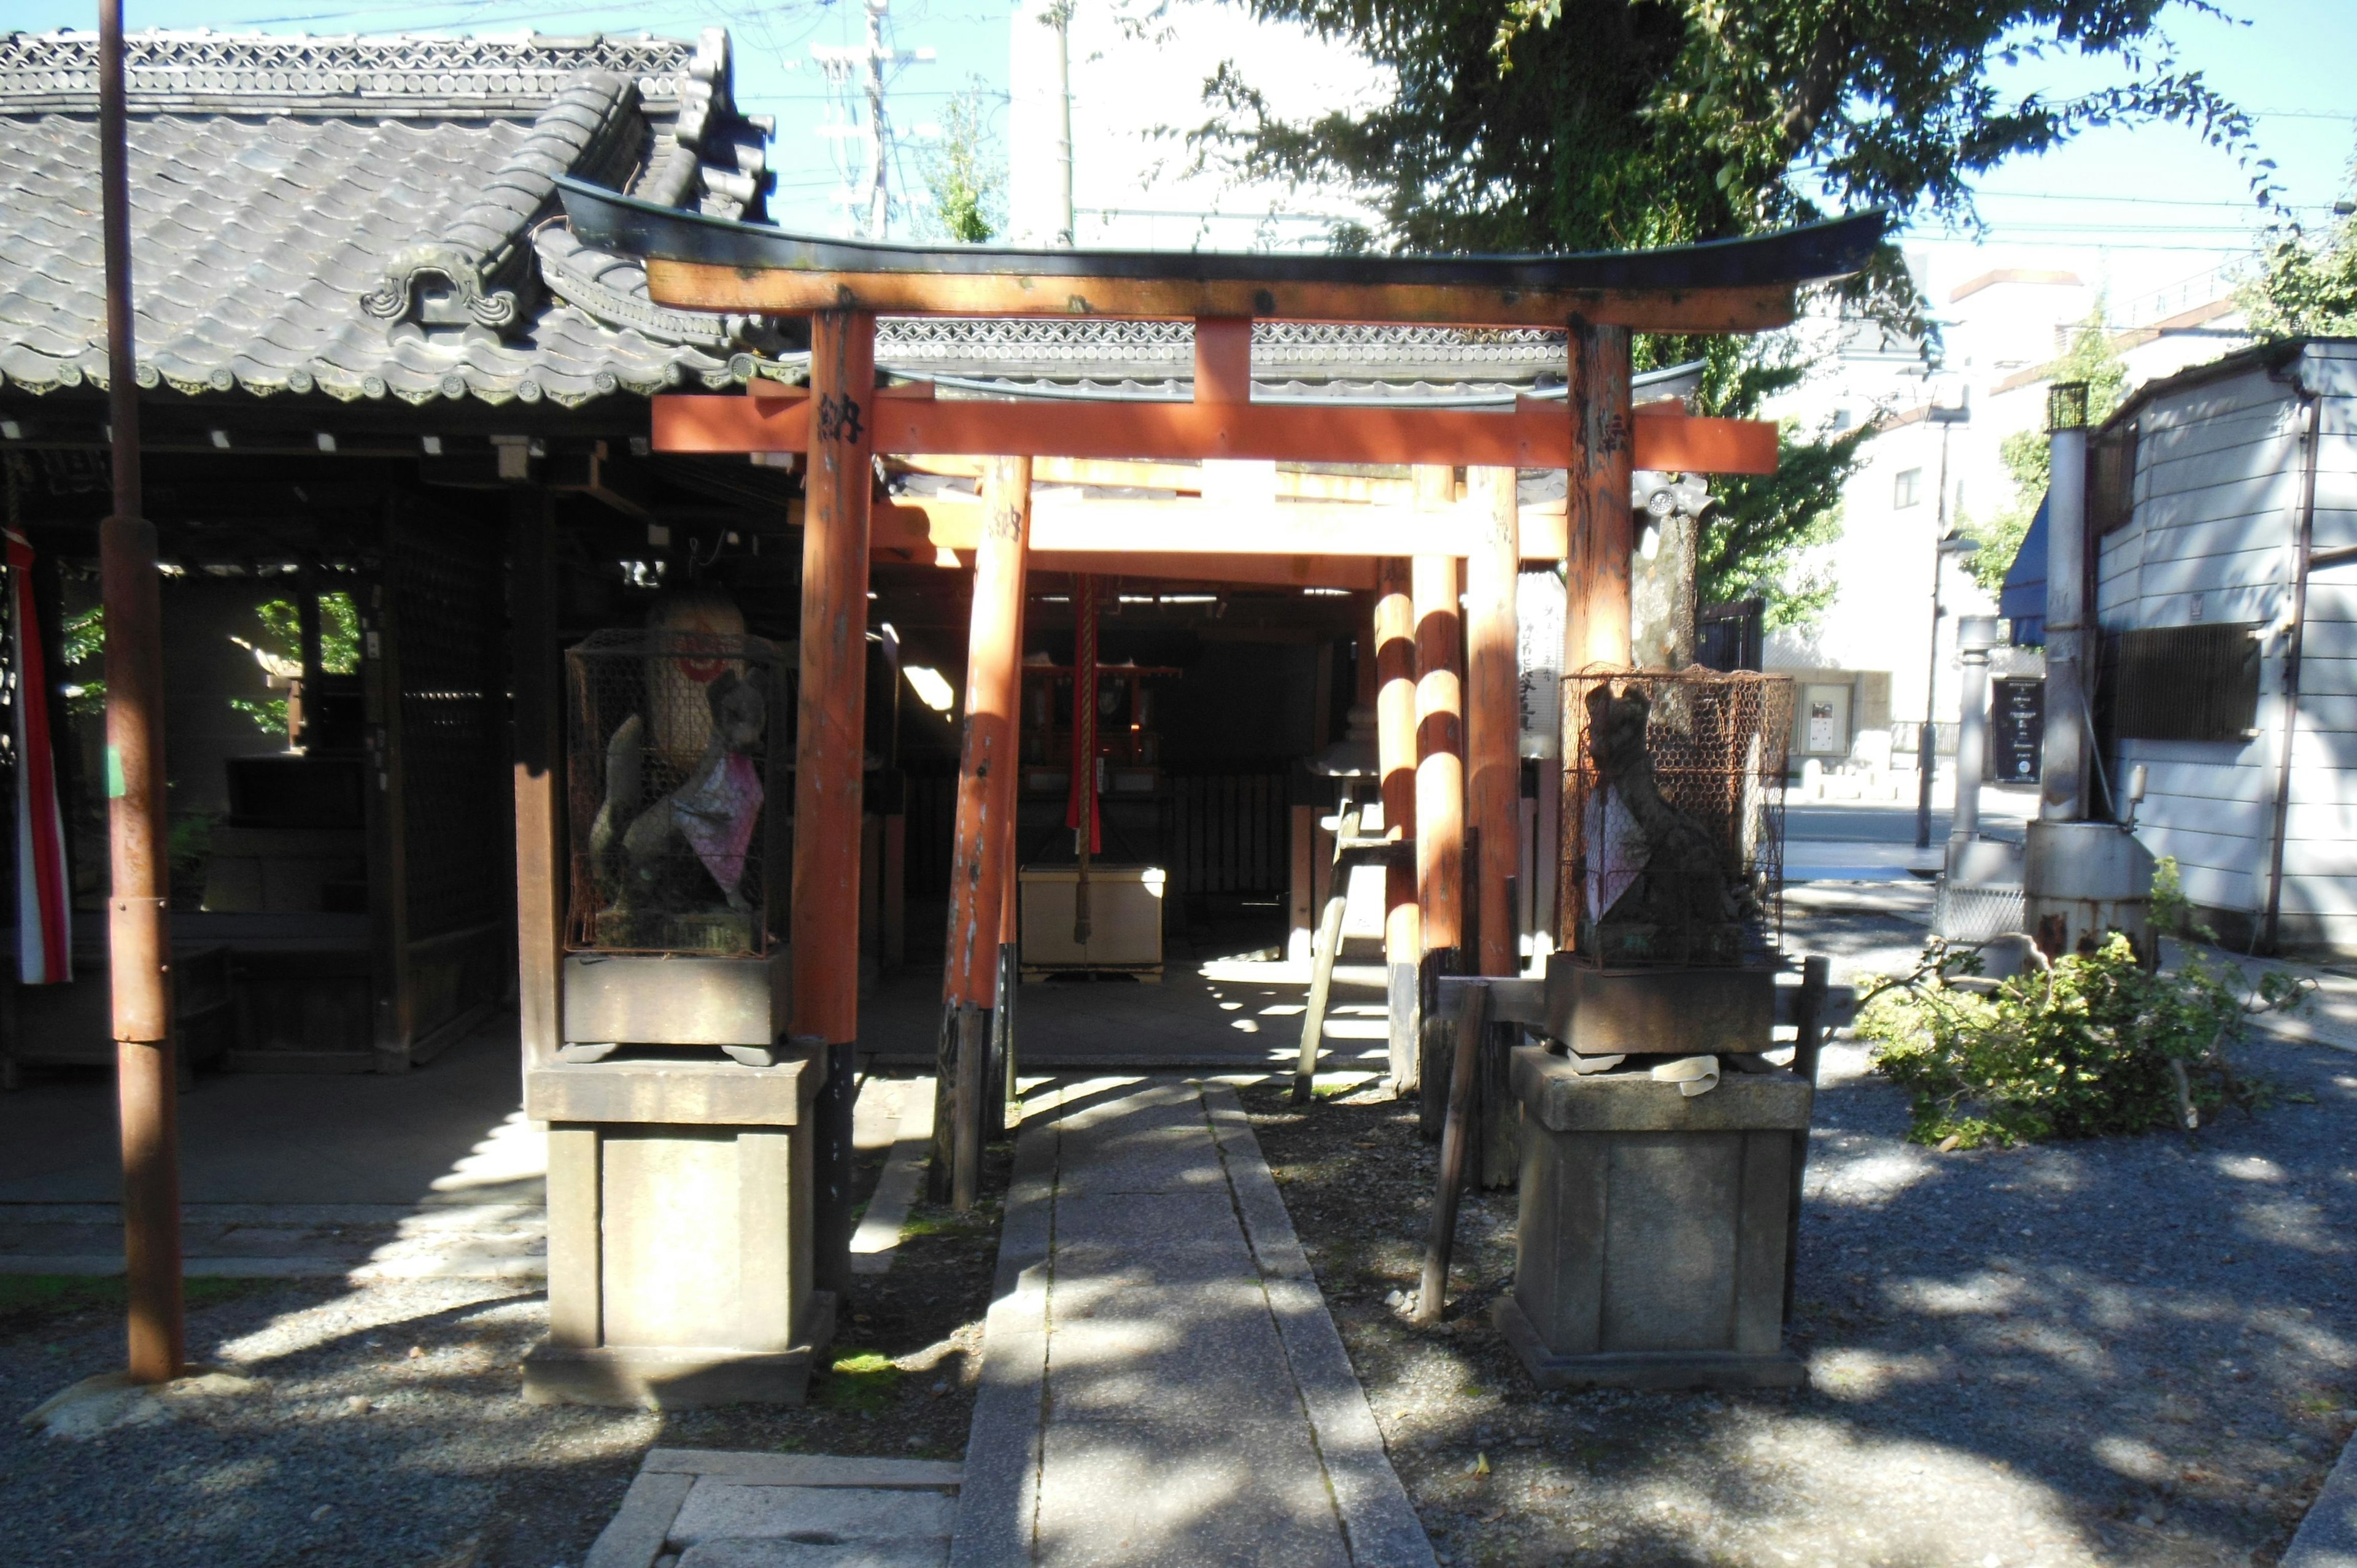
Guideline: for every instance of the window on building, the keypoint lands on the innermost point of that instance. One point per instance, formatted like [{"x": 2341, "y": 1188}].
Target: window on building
[{"x": 1908, "y": 491}]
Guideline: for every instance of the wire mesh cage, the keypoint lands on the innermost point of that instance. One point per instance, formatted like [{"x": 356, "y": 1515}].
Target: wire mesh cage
[
  {"x": 677, "y": 740},
  {"x": 1976, "y": 914},
  {"x": 1673, "y": 816}
]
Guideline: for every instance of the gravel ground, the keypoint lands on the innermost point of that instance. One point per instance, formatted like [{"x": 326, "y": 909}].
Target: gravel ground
[
  {"x": 2129, "y": 1352},
  {"x": 390, "y": 1431}
]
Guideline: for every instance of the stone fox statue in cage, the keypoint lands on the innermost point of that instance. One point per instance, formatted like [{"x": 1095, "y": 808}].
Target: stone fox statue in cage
[
  {"x": 667, "y": 858},
  {"x": 1683, "y": 887}
]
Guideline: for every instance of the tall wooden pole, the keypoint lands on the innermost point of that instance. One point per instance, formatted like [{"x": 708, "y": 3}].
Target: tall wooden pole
[
  {"x": 1493, "y": 715},
  {"x": 1394, "y": 627},
  {"x": 987, "y": 766},
  {"x": 1599, "y": 531},
  {"x": 1439, "y": 731},
  {"x": 1599, "y": 537},
  {"x": 829, "y": 751},
  {"x": 539, "y": 773},
  {"x": 138, "y": 929},
  {"x": 1440, "y": 785}
]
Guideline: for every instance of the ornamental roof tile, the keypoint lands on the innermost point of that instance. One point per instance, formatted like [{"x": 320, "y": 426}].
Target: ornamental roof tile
[{"x": 366, "y": 218}]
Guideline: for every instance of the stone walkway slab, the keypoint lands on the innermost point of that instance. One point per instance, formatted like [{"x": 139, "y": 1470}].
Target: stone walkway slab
[
  {"x": 1161, "y": 1384},
  {"x": 696, "y": 1509}
]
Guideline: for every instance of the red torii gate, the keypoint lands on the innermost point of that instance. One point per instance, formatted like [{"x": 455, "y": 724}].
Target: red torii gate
[{"x": 842, "y": 419}]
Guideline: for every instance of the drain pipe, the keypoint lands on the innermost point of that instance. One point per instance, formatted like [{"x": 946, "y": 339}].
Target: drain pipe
[{"x": 2303, "y": 558}]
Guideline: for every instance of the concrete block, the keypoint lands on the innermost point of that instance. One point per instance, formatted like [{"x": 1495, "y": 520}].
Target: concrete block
[
  {"x": 1680, "y": 1012},
  {"x": 806, "y": 1469},
  {"x": 657, "y": 1378},
  {"x": 675, "y": 999},
  {"x": 712, "y": 1092},
  {"x": 1561, "y": 1101},
  {"x": 718, "y": 1509},
  {"x": 682, "y": 1265},
  {"x": 640, "y": 1528},
  {"x": 783, "y": 1553},
  {"x": 1653, "y": 1228}
]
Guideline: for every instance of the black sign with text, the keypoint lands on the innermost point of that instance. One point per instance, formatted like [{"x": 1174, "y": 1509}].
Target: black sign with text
[{"x": 2016, "y": 729}]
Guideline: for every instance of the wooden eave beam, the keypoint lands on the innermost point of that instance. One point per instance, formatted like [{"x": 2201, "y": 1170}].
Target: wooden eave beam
[
  {"x": 721, "y": 286},
  {"x": 1535, "y": 436}
]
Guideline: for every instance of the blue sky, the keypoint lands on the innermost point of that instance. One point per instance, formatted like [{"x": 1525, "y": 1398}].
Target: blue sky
[{"x": 2137, "y": 205}]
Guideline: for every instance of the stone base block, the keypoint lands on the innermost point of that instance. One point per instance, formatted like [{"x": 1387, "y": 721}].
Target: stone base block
[
  {"x": 651, "y": 1377},
  {"x": 1644, "y": 1369}
]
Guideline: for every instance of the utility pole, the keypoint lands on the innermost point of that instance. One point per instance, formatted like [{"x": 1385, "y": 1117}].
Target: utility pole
[
  {"x": 1948, "y": 409},
  {"x": 868, "y": 192},
  {"x": 138, "y": 930},
  {"x": 879, "y": 201},
  {"x": 1039, "y": 78}
]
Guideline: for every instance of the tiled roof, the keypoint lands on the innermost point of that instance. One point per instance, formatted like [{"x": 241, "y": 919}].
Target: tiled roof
[{"x": 367, "y": 218}]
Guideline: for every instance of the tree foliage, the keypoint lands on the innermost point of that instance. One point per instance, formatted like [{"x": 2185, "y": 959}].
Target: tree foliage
[
  {"x": 967, "y": 180},
  {"x": 1580, "y": 124},
  {"x": 2097, "y": 1045},
  {"x": 1761, "y": 533},
  {"x": 2306, "y": 287}
]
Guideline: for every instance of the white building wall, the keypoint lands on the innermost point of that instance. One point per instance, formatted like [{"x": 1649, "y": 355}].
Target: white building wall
[{"x": 2212, "y": 540}]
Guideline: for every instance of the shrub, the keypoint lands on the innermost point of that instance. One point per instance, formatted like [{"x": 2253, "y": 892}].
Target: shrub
[{"x": 2094, "y": 1045}]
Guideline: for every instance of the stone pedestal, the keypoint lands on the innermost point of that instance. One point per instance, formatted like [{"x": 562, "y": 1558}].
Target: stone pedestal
[
  {"x": 679, "y": 1233},
  {"x": 1655, "y": 1229}
]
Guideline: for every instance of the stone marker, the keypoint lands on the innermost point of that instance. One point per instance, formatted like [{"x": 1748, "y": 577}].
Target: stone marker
[{"x": 1654, "y": 1228}]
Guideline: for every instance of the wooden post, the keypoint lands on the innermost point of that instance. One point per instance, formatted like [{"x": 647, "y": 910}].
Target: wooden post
[
  {"x": 1439, "y": 745},
  {"x": 1493, "y": 793},
  {"x": 1001, "y": 1094},
  {"x": 393, "y": 1022},
  {"x": 1439, "y": 780},
  {"x": 541, "y": 880},
  {"x": 1808, "y": 1045},
  {"x": 1328, "y": 946},
  {"x": 1472, "y": 1020},
  {"x": 1493, "y": 715},
  {"x": 829, "y": 754},
  {"x": 138, "y": 929},
  {"x": 1301, "y": 879},
  {"x": 1599, "y": 536},
  {"x": 987, "y": 766},
  {"x": 1599, "y": 529},
  {"x": 1394, "y": 629}
]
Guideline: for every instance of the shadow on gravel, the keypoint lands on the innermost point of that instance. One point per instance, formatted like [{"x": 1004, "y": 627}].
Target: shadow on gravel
[
  {"x": 2128, "y": 1351},
  {"x": 391, "y": 1432}
]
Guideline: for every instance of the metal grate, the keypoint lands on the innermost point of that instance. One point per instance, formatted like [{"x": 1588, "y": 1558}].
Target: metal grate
[
  {"x": 1673, "y": 816},
  {"x": 1976, "y": 915},
  {"x": 2182, "y": 682},
  {"x": 674, "y": 775}
]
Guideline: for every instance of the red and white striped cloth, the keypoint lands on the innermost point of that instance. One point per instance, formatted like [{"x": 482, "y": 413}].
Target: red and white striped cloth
[{"x": 44, "y": 939}]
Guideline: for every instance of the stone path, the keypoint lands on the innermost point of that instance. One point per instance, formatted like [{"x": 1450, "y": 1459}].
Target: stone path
[
  {"x": 1161, "y": 1382},
  {"x": 690, "y": 1508}
]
